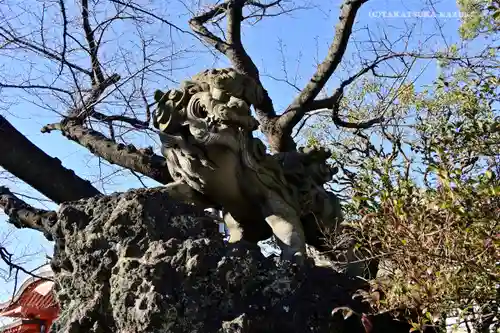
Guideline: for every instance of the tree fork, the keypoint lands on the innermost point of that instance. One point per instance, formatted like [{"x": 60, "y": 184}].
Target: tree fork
[{"x": 44, "y": 173}]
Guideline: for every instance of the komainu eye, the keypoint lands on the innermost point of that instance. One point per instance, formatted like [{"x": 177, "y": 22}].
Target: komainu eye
[{"x": 199, "y": 110}]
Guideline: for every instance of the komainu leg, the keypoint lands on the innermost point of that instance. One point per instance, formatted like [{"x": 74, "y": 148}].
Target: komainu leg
[
  {"x": 287, "y": 228},
  {"x": 252, "y": 229},
  {"x": 235, "y": 230}
]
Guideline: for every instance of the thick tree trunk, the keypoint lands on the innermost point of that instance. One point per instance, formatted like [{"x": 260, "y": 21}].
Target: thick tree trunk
[
  {"x": 280, "y": 140},
  {"x": 23, "y": 159}
]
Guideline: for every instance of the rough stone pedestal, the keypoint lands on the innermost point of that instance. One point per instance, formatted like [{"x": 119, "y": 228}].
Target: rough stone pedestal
[{"x": 141, "y": 262}]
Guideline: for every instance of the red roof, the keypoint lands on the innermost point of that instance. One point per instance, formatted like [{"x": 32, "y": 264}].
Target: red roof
[{"x": 34, "y": 304}]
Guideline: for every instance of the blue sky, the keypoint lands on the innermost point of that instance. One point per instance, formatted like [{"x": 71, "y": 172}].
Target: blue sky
[{"x": 305, "y": 36}]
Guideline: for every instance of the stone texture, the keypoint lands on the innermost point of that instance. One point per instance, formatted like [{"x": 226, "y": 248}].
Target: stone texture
[{"x": 141, "y": 262}]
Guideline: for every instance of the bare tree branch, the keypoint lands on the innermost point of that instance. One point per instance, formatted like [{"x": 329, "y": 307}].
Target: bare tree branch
[
  {"x": 22, "y": 215},
  {"x": 65, "y": 33},
  {"x": 143, "y": 161},
  {"x": 343, "y": 30},
  {"x": 50, "y": 54},
  {"x": 122, "y": 118},
  {"x": 237, "y": 53},
  {"x": 7, "y": 258},
  {"x": 34, "y": 86},
  {"x": 87, "y": 106},
  {"x": 81, "y": 34},
  {"x": 233, "y": 48},
  {"x": 329, "y": 102},
  {"x": 140, "y": 10},
  {"x": 361, "y": 125},
  {"x": 98, "y": 76},
  {"x": 197, "y": 24},
  {"x": 44, "y": 173}
]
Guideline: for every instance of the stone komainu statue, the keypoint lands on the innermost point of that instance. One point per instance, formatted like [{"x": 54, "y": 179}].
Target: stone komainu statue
[{"x": 206, "y": 132}]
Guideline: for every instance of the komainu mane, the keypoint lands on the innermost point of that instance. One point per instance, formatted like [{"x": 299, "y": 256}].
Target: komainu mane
[{"x": 206, "y": 132}]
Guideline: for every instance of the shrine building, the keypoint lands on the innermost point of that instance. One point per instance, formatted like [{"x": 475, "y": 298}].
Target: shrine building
[{"x": 33, "y": 307}]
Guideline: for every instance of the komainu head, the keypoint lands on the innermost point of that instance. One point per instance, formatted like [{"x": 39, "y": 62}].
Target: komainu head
[{"x": 212, "y": 107}]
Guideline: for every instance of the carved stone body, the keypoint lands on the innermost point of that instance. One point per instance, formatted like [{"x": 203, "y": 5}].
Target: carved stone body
[{"x": 206, "y": 132}]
